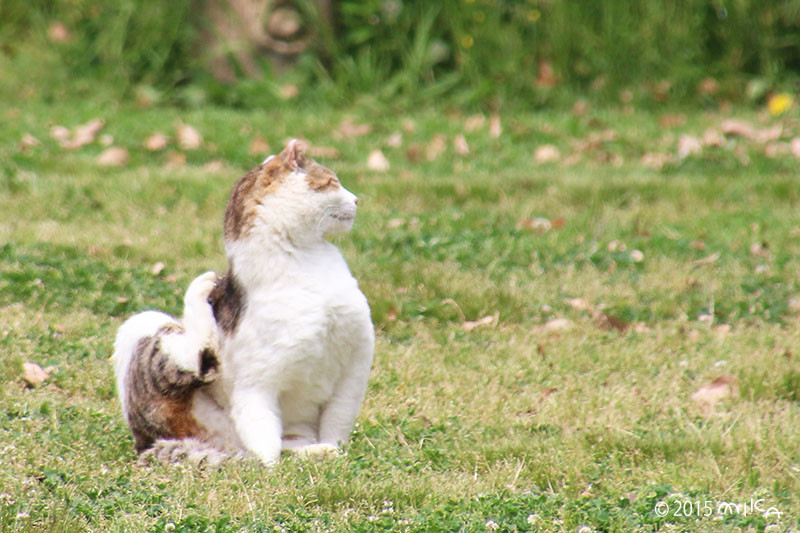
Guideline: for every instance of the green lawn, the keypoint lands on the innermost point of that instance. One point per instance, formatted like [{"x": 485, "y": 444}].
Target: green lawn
[{"x": 616, "y": 291}]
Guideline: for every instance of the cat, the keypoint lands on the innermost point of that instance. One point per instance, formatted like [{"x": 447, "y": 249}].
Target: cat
[{"x": 273, "y": 355}]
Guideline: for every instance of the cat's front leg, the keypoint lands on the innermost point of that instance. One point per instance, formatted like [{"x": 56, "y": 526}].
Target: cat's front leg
[
  {"x": 256, "y": 415},
  {"x": 200, "y": 354},
  {"x": 339, "y": 414}
]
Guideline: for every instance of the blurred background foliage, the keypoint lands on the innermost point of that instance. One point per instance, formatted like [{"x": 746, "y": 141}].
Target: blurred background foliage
[{"x": 486, "y": 53}]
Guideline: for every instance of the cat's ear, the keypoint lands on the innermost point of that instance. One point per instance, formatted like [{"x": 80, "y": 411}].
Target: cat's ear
[{"x": 294, "y": 155}]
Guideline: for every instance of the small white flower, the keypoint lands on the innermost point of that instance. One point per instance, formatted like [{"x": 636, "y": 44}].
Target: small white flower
[{"x": 491, "y": 525}]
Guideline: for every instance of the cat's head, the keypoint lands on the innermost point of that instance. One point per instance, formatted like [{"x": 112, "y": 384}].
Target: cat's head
[{"x": 292, "y": 194}]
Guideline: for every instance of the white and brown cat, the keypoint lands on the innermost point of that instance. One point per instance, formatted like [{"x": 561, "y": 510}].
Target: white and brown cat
[{"x": 273, "y": 355}]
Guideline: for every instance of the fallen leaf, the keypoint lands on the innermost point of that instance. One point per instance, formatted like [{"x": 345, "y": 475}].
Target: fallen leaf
[
  {"x": 115, "y": 156},
  {"x": 474, "y": 123},
  {"x": 259, "y": 147},
  {"x": 409, "y": 126},
  {"x": 738, "y": 128},
  {"x": 672, "y": 120},
  {"x": 396, "y": 222},
  {"x": 175, "y": 160},
  {"x": 794, "y": 146},
  {"x": 710, "y": 394},
  {"x": 58, "y": 33},
  {"x": 655, "y": 161},
  {"x": 436, "y": 147},
  {"x": 759, "y": 249},
  {"x": 106, "y": 140},
  {"x": 609, "y": 322},
  {"x": 558, "y": 223},
  {"x": 324, "y": 152},
  {"x": 157, "y": 268},
  {"x": 546, "y": 76},
  {"x": 580, "y": 108},
  {"x": 547, "y": 153},
  {"x": 84, "y": 134},
  {"x": 349, "y": 129},
  {"x": 123, "y": 299},
  {"x": 59, "y": 133},
  {"x": 769, "y": 134},
  {"x": 288, "y": 91},
  {"x": 580, "y": 304},
  {"x": 188, "y": 137},
  {"x": 495, "y": 128},
  {"x": 707, "y": 260},
  {"x": 377, "y": 162},
  {"x": 485, "y": 321},
  {"x": 637, "y": 256},
  {"x": 689, "y": 145},
  {"x": 777, "y": 149},
  {"x": 28, "y": 141},
  {"x": 395, "y": 140},
  {"x": 537, "y": 225},
  {"x": 557, "y": 324},
  {"x": 33, "y": 374},
  {"x": 460, "y": 145},
  {"x": 157, "y": 141},
  {"x": 414, "y": 152},
  {"x": 708, "y": 86},
  {"x": 215, "y": 165},
  {"x": 712, "y": 137}
]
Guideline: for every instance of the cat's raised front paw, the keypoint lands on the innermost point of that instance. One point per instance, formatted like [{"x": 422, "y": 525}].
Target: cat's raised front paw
[{"x": 200, "y": 288}]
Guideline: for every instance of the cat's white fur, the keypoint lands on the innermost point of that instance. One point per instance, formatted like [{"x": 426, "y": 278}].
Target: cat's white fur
[{"x": 293, "y": 373}]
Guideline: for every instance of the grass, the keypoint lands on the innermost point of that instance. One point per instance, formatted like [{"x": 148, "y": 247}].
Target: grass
[{"x": 510, "y": 426}]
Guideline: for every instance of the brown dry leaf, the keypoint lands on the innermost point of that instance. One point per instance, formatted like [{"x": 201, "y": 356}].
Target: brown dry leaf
[
  {"x": 769, "y": 134},
  {"x": 611, "y": 323},
  {"x": 558, "y": 223},
  {"x": 495, "y": 127},
  {"x": 215, "y": 165},
  {"x": 60, "y": 134},
  {"x": 460, "y": 145},
  {"x": 689, "y": 145},
  {"x": 485, "y": 321},
  {"x": 115, "y": 156},
  {"x": 324, "y": 152},
  {"x": 759, "y": 249},
  {"x": 436, "y": 147},
  {"x": 710, "y": 394},
  {"x": 547, "y": 153},
  {"x": 28, "y": 141},
  {"x": 189, "y": 138},
  {"x": 395, "y": 140},
  {"x": 409, "y": 126},
  {"x": 707, "y": 260},
  {"x": 580, "y": 108},
  {"x": 556, "y": 324},
  {"x": 474, "y": 122},
  {"x": 106, "y": 140},
  {"x": 349, "y": 129},
  {"x": 738, "y": 128},
  {"x": 175, "y": 160},
  {"x": 546, "y": 76},
  {"x": 537, "y": 225},
  {"x": 396, "y": 222},
  {"x": 414, "y": 152},
  {"x": 712, "y": 137},
  {"x": 86, "y": 133},
  {"x": 58, "y": 33},
  {"x": 377, "y": 162},
  {"x": 158, "y": 268},
  {"x": 708, "y": 86},
  {"x": 672, "y": 120},
  {"x": 157, "y": 141},
  {"x": 794, "y": 146},
  {"x": 580, "y": 304},
  {"x": 655, "y": 160},
  {"x": 777, "y": 149},
  {"x": 259, "y": 147},
  {"x": 33, "y": 374},
  {"x": 288, "y": 91}
]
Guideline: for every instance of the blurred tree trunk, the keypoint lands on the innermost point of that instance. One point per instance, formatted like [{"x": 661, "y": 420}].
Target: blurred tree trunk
[{"x": 239, "y": 34}]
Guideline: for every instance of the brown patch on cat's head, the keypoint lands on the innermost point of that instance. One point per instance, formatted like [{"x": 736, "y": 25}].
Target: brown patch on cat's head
[{"x": 265, "y": 178}]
